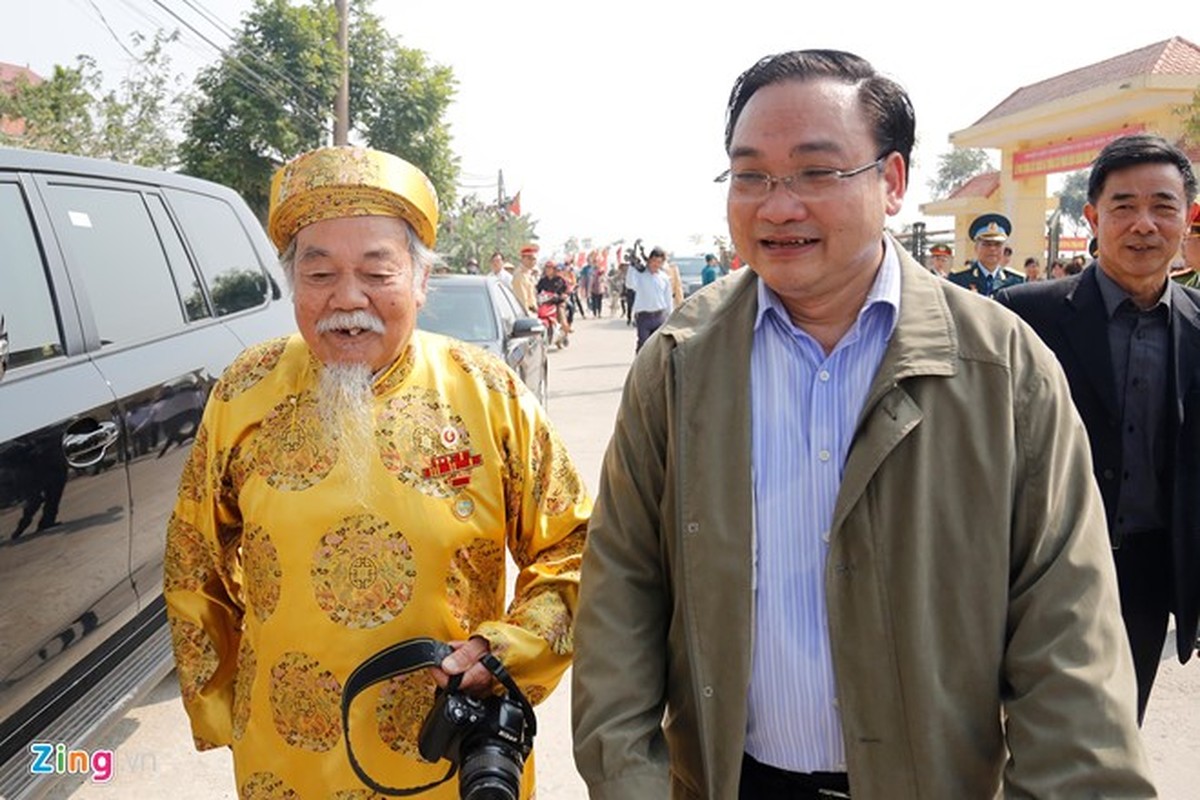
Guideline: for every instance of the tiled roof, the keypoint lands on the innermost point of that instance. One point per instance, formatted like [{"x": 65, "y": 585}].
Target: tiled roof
[
  {"x": 982, "y": 185},
  {"x": 1176, "y": 56},
  {"x": 10, "y": 72}
]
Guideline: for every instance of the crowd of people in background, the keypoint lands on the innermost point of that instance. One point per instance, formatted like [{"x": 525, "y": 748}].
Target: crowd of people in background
[{"x": 581, "y": 283}]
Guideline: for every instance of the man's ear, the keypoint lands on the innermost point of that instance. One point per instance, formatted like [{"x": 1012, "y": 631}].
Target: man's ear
[{"x": 896, "y": 178}]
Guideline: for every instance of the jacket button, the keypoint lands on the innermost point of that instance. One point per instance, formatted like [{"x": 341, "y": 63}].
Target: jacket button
[
  {"x": 1108, "y": 474},
  {"x": 693, "y": 527},
  {"x": 707, "y": 691}
]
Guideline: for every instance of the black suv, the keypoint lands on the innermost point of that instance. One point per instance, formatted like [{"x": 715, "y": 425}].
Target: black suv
[{"x": 124, "y": 293}]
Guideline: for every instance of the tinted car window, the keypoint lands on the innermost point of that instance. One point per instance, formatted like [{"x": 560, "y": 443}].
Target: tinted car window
[
  {"x": 464, "y": 312},
  {"x": 228, "y": 263},
  {"x": 25, "y": 302},
  {"x": 114, "y": 249}
]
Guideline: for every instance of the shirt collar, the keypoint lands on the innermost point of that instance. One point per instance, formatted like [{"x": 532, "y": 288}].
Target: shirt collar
[
  {"x": 1114, "y": 295},
  {"x": 884, "y": 292}
]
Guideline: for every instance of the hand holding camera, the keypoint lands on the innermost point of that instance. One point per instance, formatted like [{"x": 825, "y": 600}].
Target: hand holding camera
[{"x": 485, "y": 740}]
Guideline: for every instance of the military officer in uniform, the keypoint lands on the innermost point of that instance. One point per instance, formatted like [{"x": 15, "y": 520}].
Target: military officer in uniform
[
  {"x": 985, "y": 275},
  {"x": 941, "y": 258}
]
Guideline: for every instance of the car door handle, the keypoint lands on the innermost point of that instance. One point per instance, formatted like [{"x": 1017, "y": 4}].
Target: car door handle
[{"x": 87, "y": 448}]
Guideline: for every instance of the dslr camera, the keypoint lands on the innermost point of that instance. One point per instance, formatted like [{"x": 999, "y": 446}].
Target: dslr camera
[
  {"x": 485, "y": 740},
  {"x": 488, "y": 739}
]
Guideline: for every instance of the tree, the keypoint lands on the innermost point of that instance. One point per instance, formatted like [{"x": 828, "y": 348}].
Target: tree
[
  {"x": 271, "y": 98},
  {"x": 133, "y": 124},
  {"x": 476, "y": 229},
  {"x": 1191, "y": 120},
  {"x": 956, "y": 167},
  {"x": 1072, "y": 197}
]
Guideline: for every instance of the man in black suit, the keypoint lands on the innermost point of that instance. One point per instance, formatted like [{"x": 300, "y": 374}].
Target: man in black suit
[{"x": 1129, "y": 341}]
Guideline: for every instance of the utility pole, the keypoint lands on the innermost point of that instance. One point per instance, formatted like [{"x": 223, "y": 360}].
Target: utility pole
[
  {"x": 341, "y": 104},
  {"x": 501, "y": 206}
]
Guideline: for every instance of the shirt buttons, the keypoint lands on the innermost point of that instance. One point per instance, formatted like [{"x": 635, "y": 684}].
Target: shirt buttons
[
  {"x": 825, "y": 536},
  {"x": 823, "y": 375},
  {"x": 823, "y": 455}
]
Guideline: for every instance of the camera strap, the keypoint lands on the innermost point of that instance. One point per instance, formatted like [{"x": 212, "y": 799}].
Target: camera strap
[{"x": 399, "y": 659}]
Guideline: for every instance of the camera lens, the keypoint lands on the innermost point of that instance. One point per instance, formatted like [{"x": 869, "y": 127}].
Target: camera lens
[{"x": 490, "y": 772}]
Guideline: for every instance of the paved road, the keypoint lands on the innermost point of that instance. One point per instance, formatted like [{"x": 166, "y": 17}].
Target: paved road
[{"x": 154, "y": 755}]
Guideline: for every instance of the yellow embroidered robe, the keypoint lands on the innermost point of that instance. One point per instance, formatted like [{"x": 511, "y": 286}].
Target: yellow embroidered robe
[{"x": 278, "y": 583}]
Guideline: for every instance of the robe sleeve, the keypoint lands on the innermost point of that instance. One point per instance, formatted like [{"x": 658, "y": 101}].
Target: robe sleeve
[
  {"x": 201, "y": 584},
  {"x": 547, "y": 530}
]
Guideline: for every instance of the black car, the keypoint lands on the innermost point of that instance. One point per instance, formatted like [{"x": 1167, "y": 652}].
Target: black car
[
  {"x": 124, "y": 294},
  {"x": 482, "y": 310}
]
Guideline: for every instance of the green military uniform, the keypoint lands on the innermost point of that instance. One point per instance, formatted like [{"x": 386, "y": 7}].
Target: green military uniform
[{"x": 988, "y": 228}]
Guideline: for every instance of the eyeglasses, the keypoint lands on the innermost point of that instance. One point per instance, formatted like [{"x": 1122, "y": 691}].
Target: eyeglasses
[{"x": 755, "y": 185}]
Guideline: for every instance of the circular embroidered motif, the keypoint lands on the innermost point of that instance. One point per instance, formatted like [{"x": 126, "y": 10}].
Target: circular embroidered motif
[
  {"x": 243, "y": 685},
  {"x": 266, "y": 786},
  {"x": 556, "y": 484},
  {"x": 249, "y": 368},
  {"x": 363, "y": 572},
  {"x": 290, "y": 449},
  {"x": 494, "y": 373},
  {"x": 474, "y": 583},
  {"x": 262, "y": 572},
  {"x": 305, "y": 703},
  {"x": 403, "y": 704},
  {"x": 193, "y": 482},
  {"x": 195, "y": 656},
  {"x": 412, "y": 431},
  {"x": 186, "y": 562}
]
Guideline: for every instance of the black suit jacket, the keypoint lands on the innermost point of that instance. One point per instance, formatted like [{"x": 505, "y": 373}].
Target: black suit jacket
[{"x": 1069, "y": 315}]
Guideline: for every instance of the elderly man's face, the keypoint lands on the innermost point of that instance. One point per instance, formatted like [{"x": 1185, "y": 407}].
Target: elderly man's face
[
  {"x": 355, "y": 298},
  {"x": 989, "y": 253},
  {"x": 1140, "y": 220}
]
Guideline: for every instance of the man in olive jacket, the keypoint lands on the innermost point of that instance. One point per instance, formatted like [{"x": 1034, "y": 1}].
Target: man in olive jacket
[{"x": 970, "y": 603}]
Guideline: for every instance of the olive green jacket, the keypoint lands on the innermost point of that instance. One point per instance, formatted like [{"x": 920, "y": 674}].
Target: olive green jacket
[{"x": 972, "y": 601}]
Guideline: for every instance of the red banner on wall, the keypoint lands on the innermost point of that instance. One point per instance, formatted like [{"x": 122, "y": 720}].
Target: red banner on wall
[{"x": 1067, "y": 155}]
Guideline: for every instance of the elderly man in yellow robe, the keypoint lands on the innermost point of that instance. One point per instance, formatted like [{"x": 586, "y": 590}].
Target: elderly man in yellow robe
[{"x": 356, "y": 485}]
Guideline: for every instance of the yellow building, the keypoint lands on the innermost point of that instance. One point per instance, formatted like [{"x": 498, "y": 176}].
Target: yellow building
[{"x": 1060, "y": 125}]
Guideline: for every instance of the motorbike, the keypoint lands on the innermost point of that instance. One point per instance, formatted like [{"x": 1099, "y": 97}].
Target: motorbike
[{"x": 547, "y": 311}]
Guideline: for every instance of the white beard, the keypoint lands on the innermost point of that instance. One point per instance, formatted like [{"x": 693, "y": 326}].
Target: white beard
[{"x": 346, "y": 404}]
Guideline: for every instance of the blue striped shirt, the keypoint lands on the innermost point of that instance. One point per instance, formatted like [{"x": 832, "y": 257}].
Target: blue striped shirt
[{"x": 804, "y": 409}]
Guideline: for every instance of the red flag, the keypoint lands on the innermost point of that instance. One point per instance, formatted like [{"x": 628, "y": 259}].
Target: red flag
[{"x": 514, "y": 206}]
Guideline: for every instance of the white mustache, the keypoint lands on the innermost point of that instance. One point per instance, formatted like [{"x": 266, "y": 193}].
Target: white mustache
[{"x": 350, "y": 320}]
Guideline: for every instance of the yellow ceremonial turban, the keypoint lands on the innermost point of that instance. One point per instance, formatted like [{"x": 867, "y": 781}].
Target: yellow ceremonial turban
[{"x": 349, "y": 182}]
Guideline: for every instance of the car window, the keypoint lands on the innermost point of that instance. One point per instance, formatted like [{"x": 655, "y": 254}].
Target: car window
[
  {"x": 188, "y": 285},
  {"x": 510, "y": 300},
  {"x": 25, "y": 301},
  {"x": 689, "y": 266},
  {"x": 113, "y": 248},
  {"x": 225, "y": 254},
  {"x": 508, "y": 314},
  {"x": 464, "y": 312}
]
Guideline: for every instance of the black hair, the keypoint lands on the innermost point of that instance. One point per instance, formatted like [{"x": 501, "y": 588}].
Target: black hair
[
  {"x": 1139, "y": 148},
  {"x": 885, "y": 103}
]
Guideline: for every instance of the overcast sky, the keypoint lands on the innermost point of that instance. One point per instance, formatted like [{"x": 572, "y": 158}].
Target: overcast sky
[{"x": 609, "y": 116}]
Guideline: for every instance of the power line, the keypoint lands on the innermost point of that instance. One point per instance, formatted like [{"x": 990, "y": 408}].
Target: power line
[
  {"x": 108, "y": 27},
  {"x": 266, "y": 89},
  {"x": 230, "y": 34}
]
